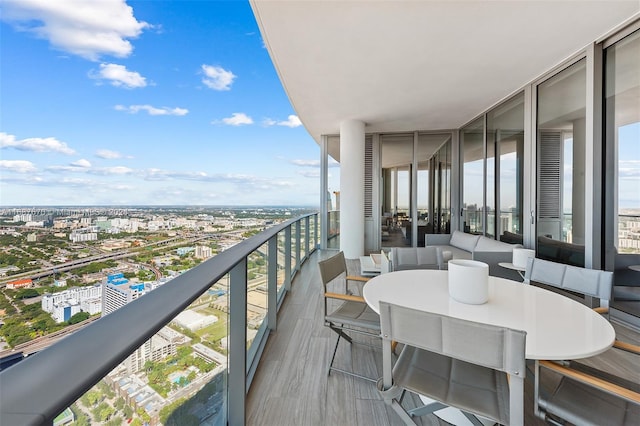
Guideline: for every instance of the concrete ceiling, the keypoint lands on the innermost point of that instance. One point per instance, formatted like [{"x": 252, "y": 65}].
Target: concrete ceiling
[{"x": 420, "y": 65}]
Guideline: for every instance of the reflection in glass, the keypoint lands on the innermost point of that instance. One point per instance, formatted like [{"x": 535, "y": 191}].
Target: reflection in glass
[{"x": 560, "y": 166}]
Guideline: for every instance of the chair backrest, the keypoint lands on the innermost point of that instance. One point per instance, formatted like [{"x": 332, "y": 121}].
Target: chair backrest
[
  {"x": 403, "y": 258},
  {"x": 385, "y": 263},
  {"x": 332, "y": 268},
  {"x": 590, "y": 282},
  {"x": 490, "y": 346}
]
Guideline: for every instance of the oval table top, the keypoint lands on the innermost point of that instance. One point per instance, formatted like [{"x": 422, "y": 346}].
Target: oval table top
[{"x": 558, "y": 328}]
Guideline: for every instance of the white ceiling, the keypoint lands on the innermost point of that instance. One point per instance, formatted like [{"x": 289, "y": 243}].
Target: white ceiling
[{"x": 420, "y": 65}]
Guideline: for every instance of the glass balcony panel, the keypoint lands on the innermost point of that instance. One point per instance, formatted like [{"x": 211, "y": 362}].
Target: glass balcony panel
[
  {"x": 177, "y": 377},
  {"x": 256, "y": 291},
  {"x": 303, "y": 239},
  {"x": 294, "y": 246},
  {"x": 281, "y": 244},
  {"x": 333, "y": 232}
]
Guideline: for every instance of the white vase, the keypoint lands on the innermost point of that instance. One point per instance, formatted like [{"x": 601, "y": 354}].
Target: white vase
[
  {"x": 521, "y": 256},
  {"x": 469, "y": 281}
]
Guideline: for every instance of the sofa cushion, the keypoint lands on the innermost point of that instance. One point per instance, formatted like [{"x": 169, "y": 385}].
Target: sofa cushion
[
  {"x": 463, "y": 241},
  {"x": 489, "y": 244}
]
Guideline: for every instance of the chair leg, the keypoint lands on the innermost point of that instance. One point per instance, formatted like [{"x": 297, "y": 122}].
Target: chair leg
[
  {"x": 427, "y": 409},
  {"x": 335, "y": 349}
]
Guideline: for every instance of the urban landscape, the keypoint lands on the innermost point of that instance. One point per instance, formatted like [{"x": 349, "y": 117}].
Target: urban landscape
[{"x": 63, "y": 268}]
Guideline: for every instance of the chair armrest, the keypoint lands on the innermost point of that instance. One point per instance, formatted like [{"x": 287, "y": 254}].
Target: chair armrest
[
  {"x": 348, "y": 297},
  {"x": 593, "y": 381},
  {"x": 358, "y": 278},
  {"x": 628, "y": 347}
]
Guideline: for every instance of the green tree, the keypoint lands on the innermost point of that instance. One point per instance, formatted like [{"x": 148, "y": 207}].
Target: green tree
[
  {"x": 79, "y": 317},
  {"x": 127, "y": 411},
  {"x": 27, "y": 293}
]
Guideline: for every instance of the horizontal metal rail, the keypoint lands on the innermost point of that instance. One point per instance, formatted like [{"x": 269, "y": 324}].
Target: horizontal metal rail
[{"x": 37, "y": 389}]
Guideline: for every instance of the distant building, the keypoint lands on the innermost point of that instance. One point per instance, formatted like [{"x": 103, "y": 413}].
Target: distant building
[
  {"x": 80, "y": 237},
  {"x": 203, "y": 252},
  {"x": 193, "y": 320},
  {"x": 4, "y": 271},
  {"x": 184, "y": 250},
  {"x": 19, "y": 284},
  {"x": 161, "y": 345},
  {"x": 117, "y": 291},
  {"x": 60, "y": 283},
  {"x": 65, "y": 304},
  {"x": 32, "y": 238}
]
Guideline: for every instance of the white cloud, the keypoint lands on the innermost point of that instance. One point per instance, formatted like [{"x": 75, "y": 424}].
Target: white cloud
[
  {"x": 310, "y": 173},
  {"x": 88, "y": 29},
  {"x": 151, "y": 110},
  {"x": 110, "y": 155},
  {"x": 237, "y": 119},
  {"x": 82, "y": 163},
  {"x": 18, "y": 166},
  {"x": 119, "y": 76},
  {"x": 117, "y": 170},
  {"x": 217, "y": 78},
  {"x": 35, "y": 144},
  {"x": 306, "y": 163},
  {"x": 292, "y": 121}
]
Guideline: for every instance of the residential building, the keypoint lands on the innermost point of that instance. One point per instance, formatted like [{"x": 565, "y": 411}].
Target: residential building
[{"x": 203, "y": 252}]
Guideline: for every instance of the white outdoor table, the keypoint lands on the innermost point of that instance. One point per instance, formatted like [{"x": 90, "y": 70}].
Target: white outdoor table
[{"x": 558, "y": 328}]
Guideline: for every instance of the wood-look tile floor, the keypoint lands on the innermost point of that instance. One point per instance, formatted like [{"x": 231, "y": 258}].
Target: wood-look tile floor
[{"x": 291, "y": 385}]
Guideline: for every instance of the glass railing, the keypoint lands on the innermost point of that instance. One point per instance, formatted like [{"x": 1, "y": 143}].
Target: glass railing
[
  {"x": 183, "y": 354},
  {"x": 333, "y": 228}
]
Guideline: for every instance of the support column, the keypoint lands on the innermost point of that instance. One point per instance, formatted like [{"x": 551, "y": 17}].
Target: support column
[{"x": 352, "y": 188}]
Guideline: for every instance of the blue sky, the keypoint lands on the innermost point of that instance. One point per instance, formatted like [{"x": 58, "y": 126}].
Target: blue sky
[{"x": 148, "y": 103}]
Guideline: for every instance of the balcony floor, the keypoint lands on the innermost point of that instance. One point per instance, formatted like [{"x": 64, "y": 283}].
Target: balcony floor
[{"x": 291, "y": 385}]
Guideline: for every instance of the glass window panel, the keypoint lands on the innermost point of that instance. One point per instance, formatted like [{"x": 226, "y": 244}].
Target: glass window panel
[
  {"x": 333, "y": 195},
  {"x": 622, "y": 171},
  {"x": 396, "y": 161},
  {"x": 472, "y": 142},
  {"x": 561, "y": 148},
  {"x": 505, "y": 131},
  {"x": 433, "y": 183}
]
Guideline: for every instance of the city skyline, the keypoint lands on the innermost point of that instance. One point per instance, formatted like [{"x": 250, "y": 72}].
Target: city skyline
[{"x": 146, "y": 103}]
